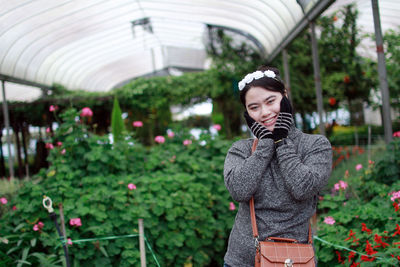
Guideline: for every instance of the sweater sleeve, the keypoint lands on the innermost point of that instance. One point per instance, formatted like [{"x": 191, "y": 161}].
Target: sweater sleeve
[
  {"x": 305, "y": 177},
  {"x": 243, "y": 170}
]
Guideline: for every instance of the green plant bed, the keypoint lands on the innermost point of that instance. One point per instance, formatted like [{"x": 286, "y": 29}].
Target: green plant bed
[
  {"x": 177, "y": 189},
  {"x": 346, "y": 159},
  {"x": 358, "y": 220},
  {"x": 357, "y": 135}
]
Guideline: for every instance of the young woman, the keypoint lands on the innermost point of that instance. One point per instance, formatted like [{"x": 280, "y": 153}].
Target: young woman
[{"x": 284, "y": 174}]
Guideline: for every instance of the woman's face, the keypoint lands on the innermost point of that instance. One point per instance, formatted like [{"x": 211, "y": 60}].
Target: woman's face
[{"x": 263, "y": 106}]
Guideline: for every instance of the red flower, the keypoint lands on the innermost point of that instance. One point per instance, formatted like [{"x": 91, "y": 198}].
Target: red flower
[
  {"x": 367, "y": 258},
  {"x": 398, "y": 257},
  {"x": 397, "y": 230},
  {"x": 332, "y": 101},
  {"x": 369, "y": 249},
  {"x": 352, "y": 235},
  {"x": 396, "y": 206},
  {"x": 365, "y": 229},
  {"x": 351, "y": 255},
  {"x": 346, "y": 79},
  {"x": 340, "y": 260},
  {"x": 355, "y": 264},
  {"x": 378, "y": 240}
]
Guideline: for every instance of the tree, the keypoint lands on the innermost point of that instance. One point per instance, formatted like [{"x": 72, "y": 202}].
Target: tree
[
  {"x": 231, "y": 60},
  {"x": 343, "y": 70},
  {"x": 392, "y": 56}
]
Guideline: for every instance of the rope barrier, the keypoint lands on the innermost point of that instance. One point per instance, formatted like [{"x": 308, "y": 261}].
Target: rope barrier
[
  {"x": 63, "y": 242},
  {"x": 47, "y": 203},
  {"x": 348, "y": 249}
]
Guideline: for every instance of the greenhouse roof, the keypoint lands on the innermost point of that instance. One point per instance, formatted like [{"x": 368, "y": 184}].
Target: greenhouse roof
[{"x": 98, "y": 45}]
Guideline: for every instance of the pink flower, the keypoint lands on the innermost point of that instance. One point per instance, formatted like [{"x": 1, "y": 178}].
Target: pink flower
[
  {"x": 69, "y": 241},
  {"x": 53, "y": 108},
  {"x": 59, "y": 143},
  {"x": 187, "y": 142},
  {"x": 3, "y": 200},
  {"x": 63, "y": 151},
  {"x": 396, "y": 134},
  {"x": 217, "y": 127},
  {"x": 395, "y": 195},
  {"x": 86, "y": 112},
  {"x": 137, "y": 124},
  {"x": 171, "y": 134},
  {"x": 75, "y": 222},
  {"x": 131, "y": 186},
  {"x": 38, "y": 226},
  {"x": 358, "y": 167},
  {"x": 159, "y": 139},
  {"x": 14, "y": 207},
  {"x": 48, "y": 130},
  {"x": 329, "y": 220},
  {"x": 49, "y": 146},
  {"x": 343, "y": 184},
  {"x": 337, "y": 187},
  {"x": 232, "y": 206}
]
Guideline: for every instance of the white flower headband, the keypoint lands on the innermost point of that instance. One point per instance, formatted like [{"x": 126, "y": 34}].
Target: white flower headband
[{"x": 255, "y": 76}]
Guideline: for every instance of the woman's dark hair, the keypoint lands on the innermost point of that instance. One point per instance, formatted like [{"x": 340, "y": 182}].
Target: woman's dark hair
[{"x": 272, "y": 84}]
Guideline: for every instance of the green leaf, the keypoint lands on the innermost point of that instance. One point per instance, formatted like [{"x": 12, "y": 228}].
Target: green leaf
[
  {"x": 33, "y": 242},
  {"x": 117, "y": 123},
  {"x": 103, "y": 250}
]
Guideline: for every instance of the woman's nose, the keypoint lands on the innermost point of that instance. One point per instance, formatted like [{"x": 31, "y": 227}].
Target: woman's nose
[{"x": 265, "y": 111}]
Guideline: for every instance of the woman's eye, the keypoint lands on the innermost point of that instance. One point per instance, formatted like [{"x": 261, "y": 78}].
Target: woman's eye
[{"x": 253, "y": 108}]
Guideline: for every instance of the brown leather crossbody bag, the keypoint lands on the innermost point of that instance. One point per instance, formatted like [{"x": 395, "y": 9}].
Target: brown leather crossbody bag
[{"x": 282, "y": 252}]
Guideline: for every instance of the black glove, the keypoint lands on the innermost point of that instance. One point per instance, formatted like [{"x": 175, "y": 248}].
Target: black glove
[
  {"x": 284, "y": 120},
  {"x": 259, "y": 130}
]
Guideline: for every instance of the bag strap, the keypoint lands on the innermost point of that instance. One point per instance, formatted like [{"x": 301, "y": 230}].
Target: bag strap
[
  {"x": 253, "y": 213},
  {"x": 252, "y": 210}
]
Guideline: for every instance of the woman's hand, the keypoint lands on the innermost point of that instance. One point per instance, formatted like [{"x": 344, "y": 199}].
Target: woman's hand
[
  {"x": 259, "y": 130},
  {"x": 285, "y": 119}
]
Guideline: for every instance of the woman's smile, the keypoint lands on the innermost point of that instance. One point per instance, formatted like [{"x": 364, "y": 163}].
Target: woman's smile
[{"x": 269, "y": 122}]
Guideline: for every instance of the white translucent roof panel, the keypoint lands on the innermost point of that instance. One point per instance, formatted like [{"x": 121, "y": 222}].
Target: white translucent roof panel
[
  {"x": 91, "y": 45},
  {"x": 389, "y": 16},
  {"x": 19, "y": 92}
]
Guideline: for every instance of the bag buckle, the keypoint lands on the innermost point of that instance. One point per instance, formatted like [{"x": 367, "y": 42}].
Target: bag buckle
[
  {"x": 288, "y": 263},
  {"x": 256, "y": 242}
]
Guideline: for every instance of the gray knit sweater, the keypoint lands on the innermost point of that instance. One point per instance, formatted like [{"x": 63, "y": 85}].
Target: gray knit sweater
[{"x": 284, "y": 183}]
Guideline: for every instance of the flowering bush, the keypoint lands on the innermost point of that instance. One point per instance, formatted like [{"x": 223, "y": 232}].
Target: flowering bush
[
  {"x": 105, "y": 188},
  {"x": 341, "y": 153},
  {"x": 364, "y": 216}
]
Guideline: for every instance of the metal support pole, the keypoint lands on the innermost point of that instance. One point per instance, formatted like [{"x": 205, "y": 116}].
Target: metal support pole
[
  {"x": 387, "y": 121},
  {"x": 317, "y": 78},
  {"x": 287, "y": 74},
  {"x": 7, "y": 125},
  {"x": 141, "y": 244}
]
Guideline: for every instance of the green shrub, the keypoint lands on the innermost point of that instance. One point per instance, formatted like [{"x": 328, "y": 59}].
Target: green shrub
[
  {"x": 179, "y": 193},
  {"x": 367, "y": 199},
  {"x": 354, "y": 135}
]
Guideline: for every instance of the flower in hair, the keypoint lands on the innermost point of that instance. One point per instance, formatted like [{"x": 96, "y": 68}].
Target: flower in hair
[
  {"x": 255, "y": 76},
  {"x": 270, "y": 73}
]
